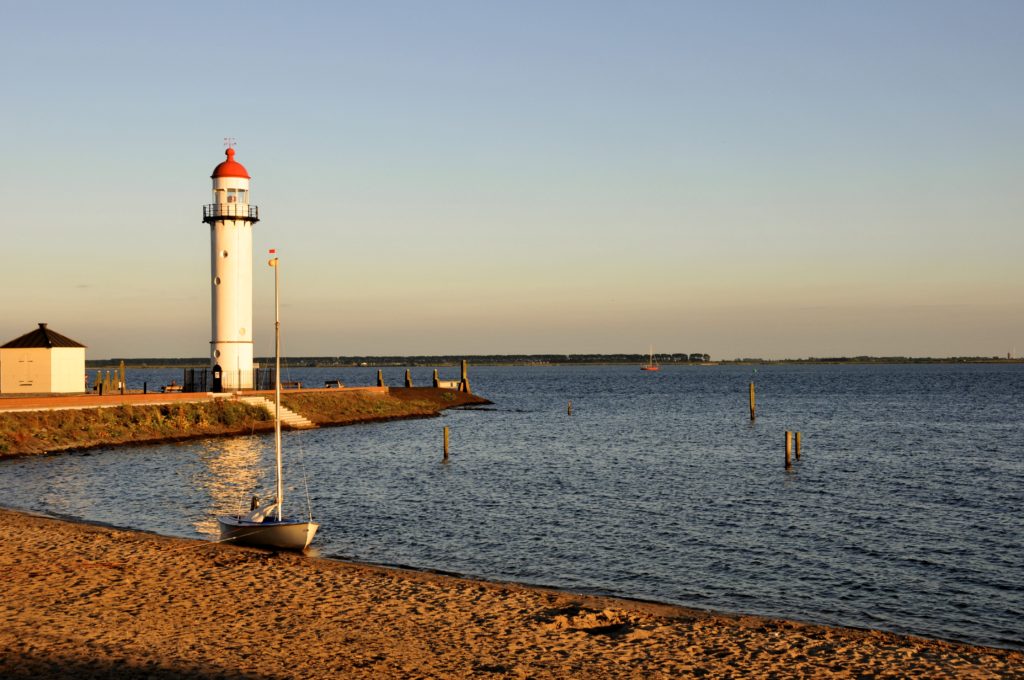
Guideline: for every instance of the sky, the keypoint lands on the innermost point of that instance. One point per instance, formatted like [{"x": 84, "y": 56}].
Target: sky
[{"x": 742, "y": 179}]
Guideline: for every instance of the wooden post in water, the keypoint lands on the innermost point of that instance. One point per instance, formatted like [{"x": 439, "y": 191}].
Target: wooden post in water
[
  {"x": 408, "y": 378},
  {"x": 570, "y": 407},
  {"x": 121, "y": 378},
  {"x": 437, "y": 381},
  {"x": 446, "y": 444},
  {"x": 789, "y": 448},
  {"x": 380, "y": 378},
  {"x": 144, "y": 386},
  {"x": 753, "y": 407},
  {"x": 798, "y": 445},
  {"x": 464, "y": 382}
]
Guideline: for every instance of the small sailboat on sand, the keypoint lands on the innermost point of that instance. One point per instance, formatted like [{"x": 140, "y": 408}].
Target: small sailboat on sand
[
  {"x": 265, "y": 526},
  {"x": 651, "y": 365}
]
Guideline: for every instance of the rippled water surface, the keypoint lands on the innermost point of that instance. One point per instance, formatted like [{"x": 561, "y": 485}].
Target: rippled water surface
[{"x": 904, "y": 513}]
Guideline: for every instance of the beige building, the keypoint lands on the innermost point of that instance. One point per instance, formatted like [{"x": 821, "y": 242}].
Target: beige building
[{"x": 42, "y": 361}]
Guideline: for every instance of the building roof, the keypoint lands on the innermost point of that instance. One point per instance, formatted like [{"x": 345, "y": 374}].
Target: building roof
[
  {"x": 41, "y": 337},
  {"x": 230, "y": 167}
]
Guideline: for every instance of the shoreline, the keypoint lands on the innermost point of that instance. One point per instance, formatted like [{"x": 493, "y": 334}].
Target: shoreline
[{"x": 89, "y": 600}]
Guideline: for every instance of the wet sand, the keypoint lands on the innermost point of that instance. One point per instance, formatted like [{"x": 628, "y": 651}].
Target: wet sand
[{"x": 88, "y": 601}]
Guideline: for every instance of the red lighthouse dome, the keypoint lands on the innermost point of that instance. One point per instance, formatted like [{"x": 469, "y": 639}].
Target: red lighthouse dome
[{"x": 230, "y": 167}]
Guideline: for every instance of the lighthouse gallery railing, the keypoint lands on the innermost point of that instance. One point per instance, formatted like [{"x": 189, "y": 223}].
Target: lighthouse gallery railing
[{"x": 230, "y": 210}]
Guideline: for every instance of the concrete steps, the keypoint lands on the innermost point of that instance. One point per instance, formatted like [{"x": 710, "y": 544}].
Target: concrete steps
[{"x": 289, "y": 418}]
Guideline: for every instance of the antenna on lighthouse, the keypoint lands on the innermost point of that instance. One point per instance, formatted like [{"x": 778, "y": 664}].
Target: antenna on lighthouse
[{"x": 230, "y": 142}]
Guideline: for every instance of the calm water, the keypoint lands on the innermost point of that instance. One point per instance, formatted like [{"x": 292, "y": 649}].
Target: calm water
[{"x": 904, "y": 514}]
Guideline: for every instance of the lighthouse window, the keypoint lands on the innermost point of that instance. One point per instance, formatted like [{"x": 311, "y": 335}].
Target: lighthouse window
[{"x": 231, "y": 196}]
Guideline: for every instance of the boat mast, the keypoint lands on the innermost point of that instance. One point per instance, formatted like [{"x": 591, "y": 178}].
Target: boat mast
[{"x": 277, "y": 383}]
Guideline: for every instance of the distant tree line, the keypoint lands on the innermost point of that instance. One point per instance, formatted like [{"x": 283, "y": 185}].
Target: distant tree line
[
  {"x": 149, "y": 362},
  {"x": 425, "y": 360},
  {"x": 495, "y": 359},
  {"x": 895, "y": 360},
  {"x": 878, "y": 360},
  {"x": 536, "y": 359}
]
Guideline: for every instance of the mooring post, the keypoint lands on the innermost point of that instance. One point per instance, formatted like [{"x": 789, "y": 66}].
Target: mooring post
[
  {"x": 569, "y": 410},
  {"x": 380, "y": 378},
  {"x": 446, "y": 444},
  {"x": 437, "y": 381},
  {"x": 753, "y": 407},
  {"x": 408, "y": 378},
  {"x": 144, "y": 386},
  {"x": 464, "y": 383},
  {"x": 789, "y": 448},
  {"x": 798, "y": 445}
]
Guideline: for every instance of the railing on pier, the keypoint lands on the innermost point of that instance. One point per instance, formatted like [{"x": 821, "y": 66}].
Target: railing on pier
[
  {"x": 201, "y": 380},
  {"x": 195, "y": 380}
]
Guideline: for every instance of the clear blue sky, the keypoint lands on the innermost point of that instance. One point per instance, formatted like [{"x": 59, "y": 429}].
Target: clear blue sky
[{"x": 778, "y": 179}]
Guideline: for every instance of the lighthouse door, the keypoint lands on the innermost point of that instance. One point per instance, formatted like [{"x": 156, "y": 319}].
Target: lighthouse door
[{"x": 218, "y": 381}]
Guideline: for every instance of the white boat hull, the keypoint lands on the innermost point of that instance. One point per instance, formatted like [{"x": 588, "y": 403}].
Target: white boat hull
[{"x": 287, "y": 534}]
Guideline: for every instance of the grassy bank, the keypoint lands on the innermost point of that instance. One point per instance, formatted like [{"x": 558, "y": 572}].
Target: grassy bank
[
  {"x": 345, "y": 408},
  {"x": 31, "y": 432},
  {"x": 35, "y": 432}
]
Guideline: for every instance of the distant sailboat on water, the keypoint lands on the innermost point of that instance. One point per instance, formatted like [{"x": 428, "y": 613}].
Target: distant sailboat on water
[{"x": 651, "y": 365}]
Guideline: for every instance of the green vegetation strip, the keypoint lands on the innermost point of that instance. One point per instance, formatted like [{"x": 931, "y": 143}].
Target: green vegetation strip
[
  {"x": 34, "y": 432},
  {"x": 30, "y": 432},
  {"x": 325, "y": 408}
]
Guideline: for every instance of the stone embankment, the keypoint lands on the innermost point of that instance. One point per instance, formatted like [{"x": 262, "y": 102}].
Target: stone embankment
[{"x": 51, "y": 424}]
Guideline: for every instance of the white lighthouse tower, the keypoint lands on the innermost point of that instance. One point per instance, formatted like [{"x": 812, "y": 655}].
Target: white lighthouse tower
[{"x": 231, "y": 218}]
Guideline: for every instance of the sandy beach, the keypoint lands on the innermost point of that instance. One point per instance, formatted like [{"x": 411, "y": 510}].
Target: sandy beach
[{"x": 90, "y": 601}]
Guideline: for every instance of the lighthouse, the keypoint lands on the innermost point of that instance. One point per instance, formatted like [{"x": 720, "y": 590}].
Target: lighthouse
[{"x": 231, "y": 218}]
